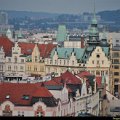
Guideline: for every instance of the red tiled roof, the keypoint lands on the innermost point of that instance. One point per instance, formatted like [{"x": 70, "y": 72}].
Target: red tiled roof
[
  {"x": 52, "y": 82},
  {"x": 26, "y": 48},
  {"x": 45, "y": 49},
  {"x": 83, "y": 74},
  {"x": 98, "y": 80},
  {"x": 68, "y": 77},
  {"x": 17, "y": 90},
  {"x": 7, "y": 45},
  {"x": 42, "y": 92}
]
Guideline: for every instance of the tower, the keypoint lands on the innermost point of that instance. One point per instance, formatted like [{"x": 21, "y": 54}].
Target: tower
[
  {"x": 62, "y": 33},
  {"x": 93, "y": 31}
]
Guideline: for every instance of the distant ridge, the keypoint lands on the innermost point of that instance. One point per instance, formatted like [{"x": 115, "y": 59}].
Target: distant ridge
[
  {"x": 22, "y": 14},
  {"x": 112, "y": 15}
]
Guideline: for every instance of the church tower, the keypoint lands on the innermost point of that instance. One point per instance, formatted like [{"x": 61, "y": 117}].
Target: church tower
[{"x": 93, "y": 31}]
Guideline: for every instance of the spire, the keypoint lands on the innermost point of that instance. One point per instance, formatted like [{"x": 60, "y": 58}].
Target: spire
[
  {"x": 94, "y": 21},
  {"x": 94, "y": 9}
]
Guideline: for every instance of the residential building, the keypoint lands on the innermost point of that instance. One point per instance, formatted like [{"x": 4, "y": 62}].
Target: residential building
[
  {"x": 62, "y": 59},
  {"x": 35, "y": 64},
  {"x": 15, "y": 64},
  {"x": 115, "y": 70},
  {"x": 2, "y": 62},
  {"x": 74, "y": 41},
  {"x": 29, "y": 100},
  {"x": 66, "y": 95}
]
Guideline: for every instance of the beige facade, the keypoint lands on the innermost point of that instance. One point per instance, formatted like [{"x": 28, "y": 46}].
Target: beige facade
[
  {"x": 99, "y": 64},
  {"x": 115, "y": 70},
  {"x": 35, "y": 64},
  {"x": 15, "y": 64},
  {"x": 60, "y": 65}
]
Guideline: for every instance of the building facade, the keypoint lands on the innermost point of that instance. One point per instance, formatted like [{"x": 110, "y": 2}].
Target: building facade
[
  {"x": 15, "y": 64},
  {"x": 115, "y": 70},
  {"x": 2, "y": 62}
]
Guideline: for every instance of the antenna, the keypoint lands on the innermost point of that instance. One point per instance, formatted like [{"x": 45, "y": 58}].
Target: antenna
[{"x": 94, "y": 8}]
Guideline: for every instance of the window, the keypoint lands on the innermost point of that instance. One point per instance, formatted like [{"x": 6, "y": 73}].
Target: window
[
  {"x": 22, "y": 60},
  {"x": 116, "y": 73},
  {"x": 117, "y": 40},
  {"x": 93, "y": 62},
  {"x": 7, "y": 96},
  {"x": 117, "y": 45},
  {"x": 116, "y": 80},
  {"x": 9, "y": 68},
  {"x": 50, "y": 61},
  {"x": 116, "y": 67},
  {"x": 1, "y": 67},
  {"x": 15, "y": 59},
  {"x": 64, "y": 62},
  {"x": 116, "y": 61},
  {"x": 55, "y": 62},
  {"x": 68, "y": 62},
  {"x": 35, "y": 68},
  {"x": 21, "y": 68},
  {"x": 9, "y": 59},
  {"x": 116, "y": 54},
  {"x": 97, "y": 56},
  {"x": 73, "y": 62},
  {"x": 35, "y": 58},
  {"x": 116, "y": 88},
  {"x": 60, "y": 62},
  {"x": 102, "y": 72},
  {"x": 25, "y": 97},
  {"x": 97, "y": 61},
  {"x": 28, "y": 68},
  {"x": 102, "y": 61}
]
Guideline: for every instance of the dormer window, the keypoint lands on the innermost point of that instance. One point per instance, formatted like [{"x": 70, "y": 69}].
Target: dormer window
[
  {"x": 7, "y": 97},
  {"x": 25, "y": 97}
]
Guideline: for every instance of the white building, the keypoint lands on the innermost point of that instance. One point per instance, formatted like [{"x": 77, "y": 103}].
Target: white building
[
  {"x": 2, "y": 62},
  {"x": 15, "y": 64}
]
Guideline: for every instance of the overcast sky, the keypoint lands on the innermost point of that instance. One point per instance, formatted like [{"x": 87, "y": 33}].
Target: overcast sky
[{"x": 59, "y": 6}]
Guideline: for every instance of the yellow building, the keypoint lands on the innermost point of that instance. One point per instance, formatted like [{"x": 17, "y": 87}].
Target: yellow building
[
  {"x": 35, "y": 62},
  {"x": 115, "y": 70}
]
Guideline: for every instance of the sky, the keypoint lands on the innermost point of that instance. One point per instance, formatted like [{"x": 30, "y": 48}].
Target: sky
[{"x": 60, "y": 6}]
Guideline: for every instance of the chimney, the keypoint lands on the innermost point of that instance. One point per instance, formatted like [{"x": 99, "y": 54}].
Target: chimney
[{"x": 82, "y": 41}]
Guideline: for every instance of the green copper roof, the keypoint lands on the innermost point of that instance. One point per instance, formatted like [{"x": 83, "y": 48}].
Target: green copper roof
[
  {"x": 106, "y": 50},
  {"x": 62, "y": 33},
  {"x": 90, "y": 49},
  {"x": 66, "y": 52},
  {"x": 94, "y": 21},
  {"x": 93, "y": 31}
]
